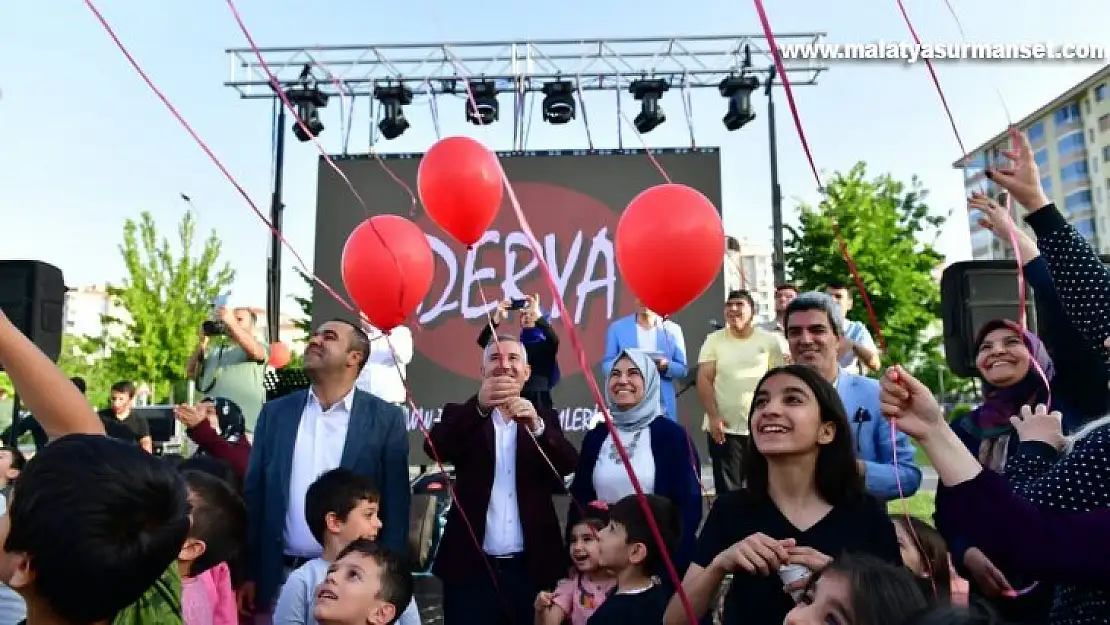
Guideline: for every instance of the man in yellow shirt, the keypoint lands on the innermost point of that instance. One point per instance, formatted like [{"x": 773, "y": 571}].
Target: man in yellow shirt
[{"x": 731, "y": 362}]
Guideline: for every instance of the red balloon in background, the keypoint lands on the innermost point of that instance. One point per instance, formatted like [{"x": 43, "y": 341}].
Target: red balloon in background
[
  {"x": 670, "y": 246},
  {"x": 459, "y": 181},
  {"x": 279, "y": 355},
  {"x": 387, "y": 268}
]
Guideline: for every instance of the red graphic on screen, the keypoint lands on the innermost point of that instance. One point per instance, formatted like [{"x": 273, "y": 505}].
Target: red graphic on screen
[{"x": 575, "y": 232}]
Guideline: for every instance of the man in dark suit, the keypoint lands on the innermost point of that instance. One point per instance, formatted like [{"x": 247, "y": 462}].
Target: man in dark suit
[
  {"x": 509, "y": 459},
  {"x": 302, "y": 435}
]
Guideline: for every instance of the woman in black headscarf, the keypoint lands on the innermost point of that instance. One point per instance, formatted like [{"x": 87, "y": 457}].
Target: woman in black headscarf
[{"x": 218, "y": 428}]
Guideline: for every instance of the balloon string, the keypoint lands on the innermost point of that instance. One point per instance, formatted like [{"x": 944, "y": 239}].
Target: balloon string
[
  {"x": 416, "y": 416},
  {"x": 340, "y": 87},
  {"x": 501, "y": 354},
  {"x": 647, "y": 150},
  {"x": 1014, "y": 154},
  {"x": 963, "y": 36},
  {"x": 210, "y": 154},
  {"x": 534, "y": 243},
  {"x": 781, "y": 69},
  {"x": 276, "y": 84}
]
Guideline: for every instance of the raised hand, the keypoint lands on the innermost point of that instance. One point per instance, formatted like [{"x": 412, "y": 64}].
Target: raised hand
[
  {"x": 1040, "y": 425},
  {"x": 1022, "y": 179},
  {"x": 497, "y": 390},
  {"x": 992, "y": 215},
  {"x": 909, "y": 404}
]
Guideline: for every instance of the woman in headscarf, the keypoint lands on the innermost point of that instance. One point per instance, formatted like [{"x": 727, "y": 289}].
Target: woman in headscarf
[
  {"x": 540, "y": 343},
  {"x": 218, "y": 428},
  {"x": 1015, "y": 370},
  {"x": 660, "y": 453}
]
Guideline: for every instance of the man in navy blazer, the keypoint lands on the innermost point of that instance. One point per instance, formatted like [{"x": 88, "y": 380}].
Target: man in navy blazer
[{"x": 300, "y": 436}]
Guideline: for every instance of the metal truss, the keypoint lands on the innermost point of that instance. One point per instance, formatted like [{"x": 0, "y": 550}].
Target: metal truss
[{"x": 595, "y": 65}]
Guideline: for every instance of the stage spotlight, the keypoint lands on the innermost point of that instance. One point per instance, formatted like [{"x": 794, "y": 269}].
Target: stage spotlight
[
  {"x": 393, "y": 123},
  {"x": 738, "y": 90},
  {"x": 649, "y": 92},
  {"x": 484, "y": 110},
  {"x": 558, "y": 105},
  {"x": 308, "y": 100}
]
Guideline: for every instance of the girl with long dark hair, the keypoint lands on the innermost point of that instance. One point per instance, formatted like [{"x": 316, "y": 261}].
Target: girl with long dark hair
[{"x": 803, "y": 503}]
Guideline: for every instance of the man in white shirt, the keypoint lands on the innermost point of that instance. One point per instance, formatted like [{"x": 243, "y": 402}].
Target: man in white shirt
[
  {"x": 302, "y": 435},
  {"x": 384, "y": 373},
  {"x": 502, "y": 544}
]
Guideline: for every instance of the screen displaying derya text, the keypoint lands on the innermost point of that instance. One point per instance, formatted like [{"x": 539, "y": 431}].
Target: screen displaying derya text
[{"x": 572, "y": 201}]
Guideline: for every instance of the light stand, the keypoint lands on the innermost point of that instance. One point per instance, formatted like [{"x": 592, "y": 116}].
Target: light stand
[
  {"x": 778, "y": 258},
  {"x": 277, "y": 207}
]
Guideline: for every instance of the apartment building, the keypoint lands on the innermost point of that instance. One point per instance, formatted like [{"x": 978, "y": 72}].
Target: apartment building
[
  {"x": 751, "y": 269},
  {"x": 1070, "y": 137}
]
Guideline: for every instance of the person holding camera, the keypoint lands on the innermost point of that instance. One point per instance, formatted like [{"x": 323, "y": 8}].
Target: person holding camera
[
  {"x": 230, "y": 362},
  {"x": 541, "y": 346}
]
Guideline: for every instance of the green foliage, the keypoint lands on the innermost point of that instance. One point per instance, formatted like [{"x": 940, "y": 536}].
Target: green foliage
[
  {"x": 80, "y": 358},
  {"x": 6, "y": 383},
  {"x": 304, "y": 323},
  {"x": 890, "y": 234},
  {"x": 166, "y": 297},
  {"x": 932, "y": 369}
]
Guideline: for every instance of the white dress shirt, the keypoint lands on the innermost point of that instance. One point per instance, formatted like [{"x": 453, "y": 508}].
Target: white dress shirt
[
  {"x": 318, "y": 448},
  {"x": 384, "y": 370},
  {"x": 504, "y": 535}
]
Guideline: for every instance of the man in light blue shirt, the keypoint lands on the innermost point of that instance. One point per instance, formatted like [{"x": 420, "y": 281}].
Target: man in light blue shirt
[
  {"x": 858, "y": 352},
  {"x": 814, "y": 327}
]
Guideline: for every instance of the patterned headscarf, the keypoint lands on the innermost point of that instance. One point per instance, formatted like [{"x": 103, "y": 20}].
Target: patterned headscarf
[{"x": 991, "y": 420}]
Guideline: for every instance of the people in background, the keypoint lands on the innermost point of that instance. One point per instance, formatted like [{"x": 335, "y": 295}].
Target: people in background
[
  {"x": 384, "y": 373},
  {"x": 301, "y": 435},
  {"x": 661, "y": 340},
  {"x": 120, "y": 411},
  {"x": 858, "y": 352},
  {"x": 510, "y": 458},
  {"x": 731, "y": 362},
  {"x": 734, "y": 268},
  {"x": 539, "y": 340},
  {"x": 813, "y": 331},
  {"x": 217, "y": 427},
  {"x": 660, "y": 453},
  {"x": 577, "y": 597},
  {"x": 784, "y": 294},
  {"x": 232, "y": 363},
  {"x": 211, "y": 559}
]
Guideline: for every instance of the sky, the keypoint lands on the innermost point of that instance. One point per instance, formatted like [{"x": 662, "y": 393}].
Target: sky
[{"x": 85, "y": 145}]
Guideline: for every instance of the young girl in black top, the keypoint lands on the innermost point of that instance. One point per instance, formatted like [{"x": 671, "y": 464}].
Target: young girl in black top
[{"x": 803, "y": 503}]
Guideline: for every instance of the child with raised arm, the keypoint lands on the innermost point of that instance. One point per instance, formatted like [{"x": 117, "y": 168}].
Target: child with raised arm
[
  {"x": 629, "y": 549},
  {"x": 578, "y": 597},
  {"x": 340, "y": 507}
]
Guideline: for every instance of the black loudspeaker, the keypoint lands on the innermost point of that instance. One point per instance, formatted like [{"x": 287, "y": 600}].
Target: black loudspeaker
[
  {"x": 974, "y": 292},
  {"x": 33, "y": 296}
]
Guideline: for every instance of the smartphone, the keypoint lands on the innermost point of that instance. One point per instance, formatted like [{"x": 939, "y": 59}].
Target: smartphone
[{"x": 518, "y": 304}]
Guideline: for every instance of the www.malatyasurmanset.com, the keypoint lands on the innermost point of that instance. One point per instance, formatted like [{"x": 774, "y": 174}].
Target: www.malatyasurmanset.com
[{"x": 912, "y": 53}]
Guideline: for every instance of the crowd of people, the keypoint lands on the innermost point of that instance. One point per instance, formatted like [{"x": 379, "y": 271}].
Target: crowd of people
[{"x": 298, "y": 512}]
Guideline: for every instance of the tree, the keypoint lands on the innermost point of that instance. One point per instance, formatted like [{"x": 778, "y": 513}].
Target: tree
[
  {"x": 890, "y": 235},
  {"x": 166, "y": 298},
  {"x": 932, "y": 369}
]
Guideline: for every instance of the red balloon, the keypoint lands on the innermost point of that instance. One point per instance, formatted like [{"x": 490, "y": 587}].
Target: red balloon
[
  {"x": 670, "y": 246},
  {"x": 459, "y": 182},
  {"x": 387, "y": 268},
  {"x": 279, "y": 355}
]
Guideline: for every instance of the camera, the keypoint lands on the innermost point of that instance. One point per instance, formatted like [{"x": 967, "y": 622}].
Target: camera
[
  {"x": 216, "y": 326},
  {"x": 213, "y": 327}
]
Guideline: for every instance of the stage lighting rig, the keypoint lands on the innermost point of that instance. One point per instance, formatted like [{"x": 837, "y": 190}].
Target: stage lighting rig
[
  {"x": 393, "y": 98},
  {"x": 649, "y": 92},
  {"x": 558, "y": 104},
  {"x": 738, "y": 90},
  {"x": 484, "y": 110},
  {"x": 308, "y": 99}
]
